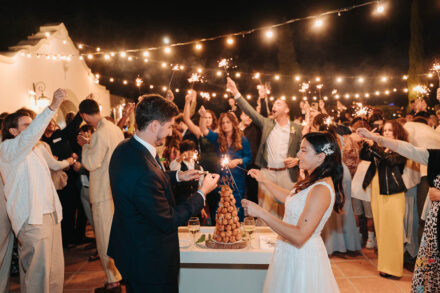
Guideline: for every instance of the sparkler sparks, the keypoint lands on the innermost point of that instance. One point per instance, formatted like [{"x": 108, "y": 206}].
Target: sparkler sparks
[
  {"x": 421, "y": 90},
  {"x": 205, "y": 95},
  {"x": 304, "y": 87}
]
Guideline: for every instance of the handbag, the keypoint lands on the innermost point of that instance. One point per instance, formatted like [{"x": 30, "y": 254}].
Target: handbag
[{"x": 59, "y": 179}]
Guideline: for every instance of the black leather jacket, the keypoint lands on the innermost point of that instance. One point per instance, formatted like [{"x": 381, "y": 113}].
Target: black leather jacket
[{"x": 390, "y": 166}]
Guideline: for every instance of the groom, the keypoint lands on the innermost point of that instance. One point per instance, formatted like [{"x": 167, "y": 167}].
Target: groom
[{"x": 143, "y": 239}]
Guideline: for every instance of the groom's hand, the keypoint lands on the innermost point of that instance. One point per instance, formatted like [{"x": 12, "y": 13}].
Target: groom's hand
[{"x": 188, "y": 175}]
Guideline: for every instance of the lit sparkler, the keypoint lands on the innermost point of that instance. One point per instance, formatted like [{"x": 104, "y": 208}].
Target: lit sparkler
[
  {"x": 175, "y": 68},
  {"x": 328, "y": 121},
  {"x": 205, "y": 95},
  {"x": 225, "y": 64},
  {"x": 421, "y": 90},
  {"x": 304, "y": 87}
]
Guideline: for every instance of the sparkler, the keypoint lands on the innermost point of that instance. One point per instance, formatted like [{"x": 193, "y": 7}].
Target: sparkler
[
  {"x": 195, "y": 77},
  {"x": 175, "y": 68},
  {"x": 225, "y": 64},
  {"x": 205, "y": 95},
  {"x": 304, "y": 87},
  {"x": 225, "y": 165},
  {"x": 328, "y": 121},
  {"x": 421, "y": 90}
]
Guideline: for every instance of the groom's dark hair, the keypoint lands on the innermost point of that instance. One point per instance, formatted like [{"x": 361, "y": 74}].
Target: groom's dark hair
[{"x": 154, "y": 107}]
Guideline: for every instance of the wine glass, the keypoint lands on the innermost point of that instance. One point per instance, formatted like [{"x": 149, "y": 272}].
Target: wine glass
[
  {"x": 194, "y": 228},
  {"x": 249, "y": 228}
]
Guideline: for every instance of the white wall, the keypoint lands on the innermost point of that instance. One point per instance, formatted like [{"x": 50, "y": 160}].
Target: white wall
[{"x": 18, "y": 72}]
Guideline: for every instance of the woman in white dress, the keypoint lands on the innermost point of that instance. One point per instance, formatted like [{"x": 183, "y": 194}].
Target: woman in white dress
[{"x": 300, "y": 262}]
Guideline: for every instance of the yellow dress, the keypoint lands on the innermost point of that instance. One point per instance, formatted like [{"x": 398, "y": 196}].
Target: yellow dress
[{"x": 388, "y": 213}]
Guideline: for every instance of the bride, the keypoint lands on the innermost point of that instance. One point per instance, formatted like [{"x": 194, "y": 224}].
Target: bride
[{"x": 300, "y": 262}]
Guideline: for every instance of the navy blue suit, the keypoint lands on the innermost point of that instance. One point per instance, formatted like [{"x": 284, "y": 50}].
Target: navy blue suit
[{"x": 143, "y": 239}]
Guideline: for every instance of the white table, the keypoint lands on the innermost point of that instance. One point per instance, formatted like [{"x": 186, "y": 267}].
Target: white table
[{"x": 206, "y": 270}]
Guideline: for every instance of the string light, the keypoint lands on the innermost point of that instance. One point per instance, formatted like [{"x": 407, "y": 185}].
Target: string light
[
  {"x": 125, "y": 82},
  {"x": 277, "y": 77},
  {"x": 80, "y": 46},
  {"x": 146, "y": 54},
  {"x": 237, "y": 75},
  {"x": 123, "y": 54},
  {"x": 107, "y": 57},
  {"x": 405, "y": 77},
  {"x": 319, "y": 23},
  {"x": 380, "y": 8},
  {"x": 166, "y": 40},
  {"x": 297, "y": 78},
  {"x": 167, "y": 50},
  {"x": 269, "y": 34},
  {"x": 198, "y": 47},
  {"x": 384, "y": 79},
  {"x": 317, "y": 79},
  {"x": 90, "y": 56},
  {"x": 98, "y": 49},
  {"x": 339, "y": 79},
  {"x": 361, "y": 80},
  {"x": 112, "y": 79},
  {"x": 230, "y": 41}
]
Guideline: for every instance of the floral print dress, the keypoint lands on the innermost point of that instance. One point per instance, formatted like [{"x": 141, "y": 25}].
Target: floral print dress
[{"x": 427, "y": 270}]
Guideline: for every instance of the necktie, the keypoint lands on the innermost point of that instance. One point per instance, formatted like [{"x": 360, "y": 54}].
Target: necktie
[{"x": 158, "y": 162}]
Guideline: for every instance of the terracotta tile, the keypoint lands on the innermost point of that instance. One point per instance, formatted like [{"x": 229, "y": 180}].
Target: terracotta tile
[
  {"x": 357, "y": 268},
  {"x": 86, "y": 280},
  {"x": 74, "y": 265},
  {"x": 374, "y": 285},
  {"x": 345, "y": 286},
  {"x": 94, "y": 266},
  {"x": 337, "y": 272},
  {"x": 404, "y": 283}
]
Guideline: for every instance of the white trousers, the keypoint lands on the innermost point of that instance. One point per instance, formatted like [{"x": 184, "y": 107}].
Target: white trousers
[
  {"x": 265, "y": 198},
  {"x": 102, "y": 212},
  {"x": 41, "y": 257}
]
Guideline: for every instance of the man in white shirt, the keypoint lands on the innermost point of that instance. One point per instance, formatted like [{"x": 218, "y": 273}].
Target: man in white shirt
[
  {"x": 32, "y": 201},
  {"x": 280, "y": 141},
  {"x": 96, "y": 153}
]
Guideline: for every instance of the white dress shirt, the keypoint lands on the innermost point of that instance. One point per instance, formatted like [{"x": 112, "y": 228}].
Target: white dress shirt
[
  {"x": 29, "y": 189},
  {"x": 278, "y": 145}
]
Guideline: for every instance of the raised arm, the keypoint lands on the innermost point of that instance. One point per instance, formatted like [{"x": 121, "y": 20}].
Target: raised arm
[
  {"x": 256, "y": 117},
  {"x": 419, "y": 155},
  {"x": 18, "y": 148},
  {"x": 204, "y": 130},
  {"x": 189, "y": 100},
  {"x": 276, "y": 191},
  {"x": 127, "y": 112},
  {"x": 316, "y": 205},
  {"x": 51, "y": 162}
]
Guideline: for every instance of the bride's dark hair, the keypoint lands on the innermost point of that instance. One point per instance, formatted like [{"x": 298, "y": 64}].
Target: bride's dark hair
[{"x": 324, "y": 142}]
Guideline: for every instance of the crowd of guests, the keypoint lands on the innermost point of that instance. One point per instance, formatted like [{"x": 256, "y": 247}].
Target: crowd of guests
[{"x": 55, "y": 181}]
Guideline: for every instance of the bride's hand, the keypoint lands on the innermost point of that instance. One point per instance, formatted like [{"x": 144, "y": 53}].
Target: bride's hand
[
  {"x": 256, "y": 174},
  {"x": 251, "y": 209}
]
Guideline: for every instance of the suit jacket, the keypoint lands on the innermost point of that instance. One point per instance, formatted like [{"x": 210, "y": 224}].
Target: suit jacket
[
  {"x": 266, "y": 125},
  {"x": 143, "y": 238},
  {"x": 96, "y": 158}
]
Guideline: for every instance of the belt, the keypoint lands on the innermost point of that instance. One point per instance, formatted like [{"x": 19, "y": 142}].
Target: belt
[{"x": 276, "y": 169}]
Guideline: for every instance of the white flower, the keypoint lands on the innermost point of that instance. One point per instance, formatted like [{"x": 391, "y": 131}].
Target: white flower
[{"x": 327, "y": 149}]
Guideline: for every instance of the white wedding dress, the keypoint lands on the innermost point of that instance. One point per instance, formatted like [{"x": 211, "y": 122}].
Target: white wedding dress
[{"x": 306, "y": 269}]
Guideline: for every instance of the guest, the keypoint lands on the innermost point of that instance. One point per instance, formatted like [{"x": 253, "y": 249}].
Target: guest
[
  {"x": 96, "y": 153},
  {"x": 207, "y": 152},
  {"x": 387, "y": 199},
  {"x": 253, "y": 133},
  {"x": 360, "y": 197},
  {"x": 60, "y": 142},
  {"x": 32, "y": 201},
  {"x": 230, "y": 142},
  {"x": 6, "y": 234},
  {"x": 426, "y": 276},
  {"x": 187, "y": 160},
  {"x": 280, "y": 139},
  {"x": 143, "y": 238}
]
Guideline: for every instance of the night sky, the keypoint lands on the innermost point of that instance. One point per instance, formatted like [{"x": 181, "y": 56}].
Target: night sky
[{"x": 357, "y": 42}]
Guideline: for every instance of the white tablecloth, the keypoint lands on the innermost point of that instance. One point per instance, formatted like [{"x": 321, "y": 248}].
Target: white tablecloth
[{"x": 224, "y": 270}]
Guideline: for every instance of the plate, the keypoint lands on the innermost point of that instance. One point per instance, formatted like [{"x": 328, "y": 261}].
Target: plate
[
  {"x": 185, "y": 243},
  {"x": 228, "y": 243}
]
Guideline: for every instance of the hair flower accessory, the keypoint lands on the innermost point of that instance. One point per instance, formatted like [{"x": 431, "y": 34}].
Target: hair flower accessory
[{"x": 327, "y": 149}]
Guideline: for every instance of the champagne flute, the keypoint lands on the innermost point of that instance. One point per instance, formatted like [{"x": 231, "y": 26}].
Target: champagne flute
[
  {"x": 249, "y": 228},
  {"x": 194, "y": 228}
]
